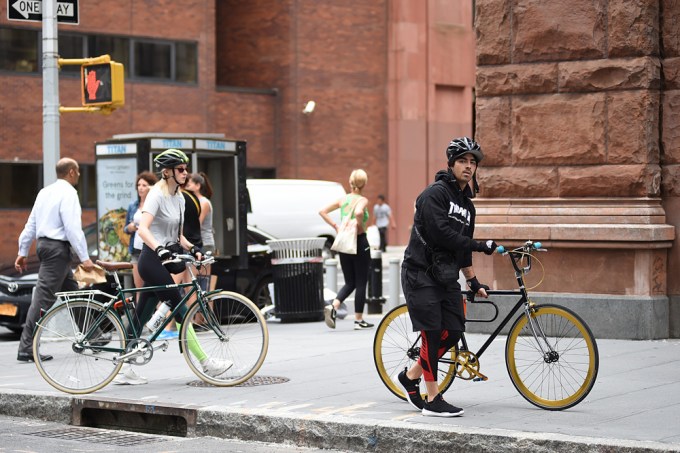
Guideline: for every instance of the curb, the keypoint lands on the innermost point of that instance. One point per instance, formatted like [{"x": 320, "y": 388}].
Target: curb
[{"x": 340, "y": 433}]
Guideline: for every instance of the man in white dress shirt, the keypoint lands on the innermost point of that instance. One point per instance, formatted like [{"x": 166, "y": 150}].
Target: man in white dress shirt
[{"x": 55, "y": 223}]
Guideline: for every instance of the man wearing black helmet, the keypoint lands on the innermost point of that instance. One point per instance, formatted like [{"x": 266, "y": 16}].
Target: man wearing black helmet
[{"x": 440, "y": 246}]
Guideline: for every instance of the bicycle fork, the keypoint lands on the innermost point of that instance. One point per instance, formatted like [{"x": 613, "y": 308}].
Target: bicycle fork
[{"x": 549, "y": 356}]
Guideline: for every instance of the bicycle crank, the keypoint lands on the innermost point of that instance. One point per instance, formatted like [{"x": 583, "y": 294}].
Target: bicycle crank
[
  {"x": 468, "y": 366},
  {"x": 138, "y": 352}
]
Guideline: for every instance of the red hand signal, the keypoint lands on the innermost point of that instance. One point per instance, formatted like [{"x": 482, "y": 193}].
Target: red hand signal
[{"x": 92, "y": 85}]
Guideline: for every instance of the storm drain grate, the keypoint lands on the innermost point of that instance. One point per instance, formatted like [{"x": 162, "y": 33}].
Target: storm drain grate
[
  {"x": 252, "y": 382},
  {"x": 101, "y": 436}
]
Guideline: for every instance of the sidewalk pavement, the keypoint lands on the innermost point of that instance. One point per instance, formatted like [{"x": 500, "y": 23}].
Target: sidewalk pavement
[{"x": 334, "y": 399}]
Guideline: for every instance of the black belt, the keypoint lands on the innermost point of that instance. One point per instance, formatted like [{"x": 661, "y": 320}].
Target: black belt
[{"x": 54, "y": 240}]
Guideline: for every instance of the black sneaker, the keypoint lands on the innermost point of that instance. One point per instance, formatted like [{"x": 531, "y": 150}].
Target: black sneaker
[
  {"x": 440, "y": 408},
  {"x": 412, "y": 389},
  {"x": 361, "y": 325}
]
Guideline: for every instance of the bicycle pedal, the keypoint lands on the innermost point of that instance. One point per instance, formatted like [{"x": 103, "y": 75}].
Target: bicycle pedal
[{"x": 162, "y": 345}]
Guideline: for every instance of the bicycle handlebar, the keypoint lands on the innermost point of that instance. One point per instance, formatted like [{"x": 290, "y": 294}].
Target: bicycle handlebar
[
  {"x": 526, "y": 248},
  {"x": 184, "y": 258}
]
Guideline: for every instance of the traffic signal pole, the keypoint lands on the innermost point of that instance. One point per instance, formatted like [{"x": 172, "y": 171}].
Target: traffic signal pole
[{"x": 50, "y": 91}]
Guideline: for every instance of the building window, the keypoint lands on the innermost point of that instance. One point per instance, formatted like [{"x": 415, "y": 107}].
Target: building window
[
  {"x": 21, "y": 182},
  {"x": 153, "y": 60},
  {"x": 71, "y": 46},
  {"x": 19, "y": 50},
  {"x": 186, "y": 62},
  {"x": 117, "y": 48},
  {"x": 142, "y": 59}
]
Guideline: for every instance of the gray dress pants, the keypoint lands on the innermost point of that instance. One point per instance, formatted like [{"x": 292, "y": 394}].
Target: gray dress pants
[{"x": 55, "y": 275}]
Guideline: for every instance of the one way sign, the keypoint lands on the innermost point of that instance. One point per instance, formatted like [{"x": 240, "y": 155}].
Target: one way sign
[{"x": 31, "y": 10}]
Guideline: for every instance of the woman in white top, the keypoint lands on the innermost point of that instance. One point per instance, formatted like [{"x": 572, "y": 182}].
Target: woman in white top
[{"x": 161, "y": 224}]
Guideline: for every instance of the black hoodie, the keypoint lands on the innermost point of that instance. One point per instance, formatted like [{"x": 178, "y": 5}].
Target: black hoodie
[{"x": 445, "y": 218}]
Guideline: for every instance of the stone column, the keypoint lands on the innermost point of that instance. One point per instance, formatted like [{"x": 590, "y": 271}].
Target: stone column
[{"x": 569, "y": 95}]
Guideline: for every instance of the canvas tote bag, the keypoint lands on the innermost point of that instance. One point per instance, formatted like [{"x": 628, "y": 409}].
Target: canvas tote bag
[{"x": 346, "y": 240}]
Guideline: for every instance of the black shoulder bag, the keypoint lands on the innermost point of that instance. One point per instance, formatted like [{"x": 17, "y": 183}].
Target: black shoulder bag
[{"x": 443, "y": 268}]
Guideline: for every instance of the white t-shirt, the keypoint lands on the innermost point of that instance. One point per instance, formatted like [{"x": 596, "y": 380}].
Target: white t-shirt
[
  {"x": 166, "y": 211},
  {"x": 138, "y": 243},
  {"x": 382, "y": 215}
]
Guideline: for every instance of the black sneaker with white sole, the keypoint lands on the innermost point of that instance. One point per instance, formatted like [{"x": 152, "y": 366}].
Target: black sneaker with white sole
[
  {"x": 412, "y": 389},
  {"x": 440, "y": 408},
  {"x": 361, "y": 325}
]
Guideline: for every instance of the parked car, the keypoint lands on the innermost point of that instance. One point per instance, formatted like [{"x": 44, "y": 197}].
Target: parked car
[
  {"x": 254, "y": 281},
  {"x": 16, "y": 289}
]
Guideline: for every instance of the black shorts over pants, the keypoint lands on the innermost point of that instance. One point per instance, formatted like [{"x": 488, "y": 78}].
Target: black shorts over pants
[{"x": 432, "y": 306}]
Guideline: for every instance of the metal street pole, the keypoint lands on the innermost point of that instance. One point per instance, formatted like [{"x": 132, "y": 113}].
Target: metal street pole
[{"x": 50, "y": 91}]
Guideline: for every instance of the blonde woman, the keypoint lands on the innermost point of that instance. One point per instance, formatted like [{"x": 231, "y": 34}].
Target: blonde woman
[
  {"x": 160, "y": 225},
  {"x": 354, "y": 267}
]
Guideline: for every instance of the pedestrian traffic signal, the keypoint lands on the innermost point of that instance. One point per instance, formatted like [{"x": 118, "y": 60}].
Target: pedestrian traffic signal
[{"x": 103, "y": 84}]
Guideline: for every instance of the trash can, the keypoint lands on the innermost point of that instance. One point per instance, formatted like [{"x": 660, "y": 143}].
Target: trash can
[
  {"x": 297, "y": 266},
  {"x": 375, "y": 295}
]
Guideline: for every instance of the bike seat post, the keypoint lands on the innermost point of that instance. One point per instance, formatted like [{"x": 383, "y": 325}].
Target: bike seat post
[{"x": 117, "y": 280}]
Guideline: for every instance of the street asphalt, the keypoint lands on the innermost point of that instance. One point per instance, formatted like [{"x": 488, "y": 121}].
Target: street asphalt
[{"x": 330, "y": 396}]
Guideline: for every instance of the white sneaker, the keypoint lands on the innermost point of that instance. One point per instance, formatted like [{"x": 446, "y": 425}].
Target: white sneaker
[
  {"x": 128, "y": 376},
  {"x": 215, "y": 367}
]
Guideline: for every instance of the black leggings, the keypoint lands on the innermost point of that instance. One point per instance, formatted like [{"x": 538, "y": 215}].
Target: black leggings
[
  {"x": 154, "y": 274},
  {"x": 434, "y": 344},
  {"x": 355, "y": 270}
]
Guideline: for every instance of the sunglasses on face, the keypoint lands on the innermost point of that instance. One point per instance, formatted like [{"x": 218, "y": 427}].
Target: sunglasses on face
[{"x": 182, "y": 169}]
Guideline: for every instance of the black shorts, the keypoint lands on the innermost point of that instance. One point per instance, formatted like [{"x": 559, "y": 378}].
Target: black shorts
[{"x": 430, "y": 305}]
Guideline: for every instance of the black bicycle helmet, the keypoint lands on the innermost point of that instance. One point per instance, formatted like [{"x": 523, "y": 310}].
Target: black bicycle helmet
[
  {"x": 461, "y": 146},
  {"x": 170, "y": 158}
]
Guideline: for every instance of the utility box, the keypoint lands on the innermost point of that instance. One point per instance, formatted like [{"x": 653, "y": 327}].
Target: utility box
[{"x": 120, "y": 159}]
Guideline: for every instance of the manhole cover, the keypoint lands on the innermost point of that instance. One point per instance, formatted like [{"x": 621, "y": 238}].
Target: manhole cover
[
  {"x": 103, "y": 436},
  {"x": 252, "y": 382}
]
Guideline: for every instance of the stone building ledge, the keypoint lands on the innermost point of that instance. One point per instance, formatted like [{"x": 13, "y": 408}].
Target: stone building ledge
[{"x": 575, "y": 223}]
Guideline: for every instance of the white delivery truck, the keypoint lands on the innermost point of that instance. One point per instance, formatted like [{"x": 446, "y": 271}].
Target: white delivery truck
[{"x": 289, "y": 208}]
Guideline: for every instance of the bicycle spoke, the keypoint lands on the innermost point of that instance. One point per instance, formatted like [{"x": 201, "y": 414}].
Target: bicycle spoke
[{"x": 558, "y": 372}]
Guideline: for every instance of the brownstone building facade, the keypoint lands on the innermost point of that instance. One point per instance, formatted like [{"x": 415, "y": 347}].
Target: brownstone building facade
[{"x": 577, "y": 108}]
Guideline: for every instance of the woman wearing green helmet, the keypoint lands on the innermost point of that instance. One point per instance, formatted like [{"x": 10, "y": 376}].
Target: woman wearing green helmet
[{"x": 161, "y": 225}]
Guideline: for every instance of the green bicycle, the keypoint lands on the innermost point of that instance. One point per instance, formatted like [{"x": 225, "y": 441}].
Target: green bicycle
[{"x": 90, "y": 334}]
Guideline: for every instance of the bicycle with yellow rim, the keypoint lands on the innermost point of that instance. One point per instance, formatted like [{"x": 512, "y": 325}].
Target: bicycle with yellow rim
[
  {"x": 90, "y": 334},
  {"x": 550, "y": 353}
]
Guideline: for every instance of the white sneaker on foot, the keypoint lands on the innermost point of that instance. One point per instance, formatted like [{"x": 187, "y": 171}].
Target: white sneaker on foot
[
  {"x": 128, "y": 376},
  {"x": 329, "y": 315},
  {"x": 215, "y": 367}
]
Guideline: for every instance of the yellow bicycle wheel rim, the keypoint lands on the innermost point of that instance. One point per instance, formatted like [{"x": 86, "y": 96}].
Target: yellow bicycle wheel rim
[
  {"x": 394, "y": 337},
  {"x": 568, "y": 379}
]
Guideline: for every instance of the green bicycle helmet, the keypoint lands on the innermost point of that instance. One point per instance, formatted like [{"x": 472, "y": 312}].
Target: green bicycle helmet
[{"x": 170, "y": 158}]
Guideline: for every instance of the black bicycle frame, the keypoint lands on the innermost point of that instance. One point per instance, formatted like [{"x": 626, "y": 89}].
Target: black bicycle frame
[{"x": 524, "y": 298}]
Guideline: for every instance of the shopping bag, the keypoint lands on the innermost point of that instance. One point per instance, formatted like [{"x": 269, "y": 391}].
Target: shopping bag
[
  {"x": 96, "y": 275},
  {"x": 346, "y": 240},
  {"x": 373, "y": 236}
]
